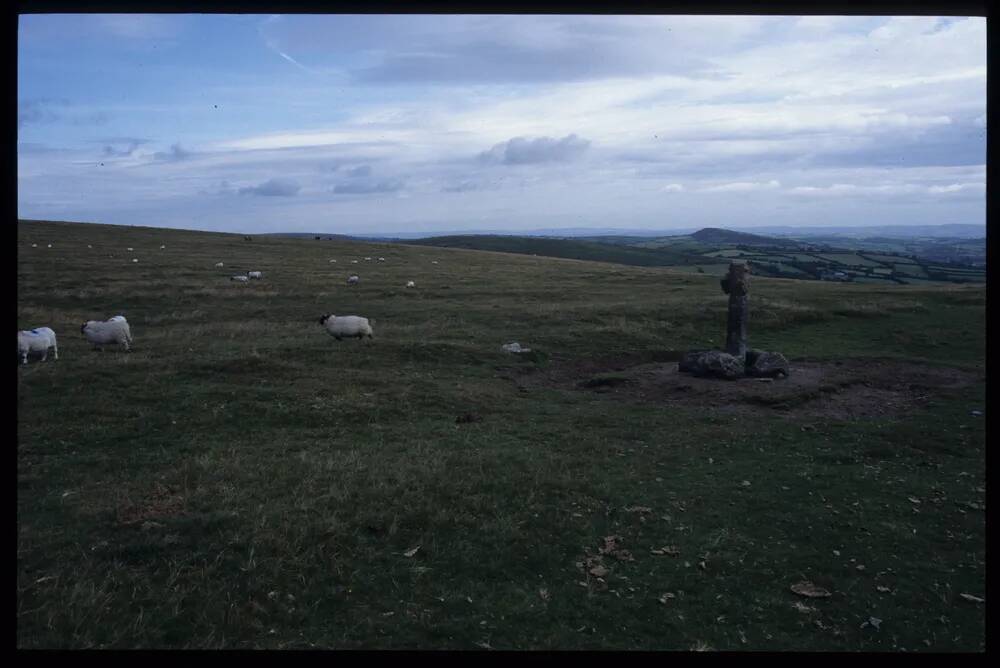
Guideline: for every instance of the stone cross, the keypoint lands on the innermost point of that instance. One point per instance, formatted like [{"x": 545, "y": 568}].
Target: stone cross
[{"x": 736, "y": 284}]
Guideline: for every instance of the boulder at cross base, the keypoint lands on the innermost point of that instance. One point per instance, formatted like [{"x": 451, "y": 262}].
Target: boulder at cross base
[
  {"x": 712, "y": 363},
  {"x": 764, "y": 364}
]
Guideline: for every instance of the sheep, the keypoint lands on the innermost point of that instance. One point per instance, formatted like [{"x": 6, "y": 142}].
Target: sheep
[
  {"x": 255, "y": 274},
  {"x": 37, "y": 340},
  {"x": 135, "y": 259},
  {"x": 239, "y": 278},
  {"x": 354, "y": 261},
  {"x": 368, "y": 259},
  {"x": 102, "y": 332},
  {"x": 353, "y": 279},
  {"x": 347, "y": 325},
  {"x": 381, "y": 259},
  {"x": 411, "y": 284},
  {"x": 50, "y": 246},
  {"x": 34, "y": 245},
  {"x": 333, "y": 261},
  {"x": 89, "y": 246},
  {"x": 129, "y": 248},
  {"x": 434, "y": 261},
  {"x": 219, "y": 264},
  {"x": 162, "y": 247}
]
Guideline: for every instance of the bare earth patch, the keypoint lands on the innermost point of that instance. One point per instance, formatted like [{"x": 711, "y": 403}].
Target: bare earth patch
[{"x": 845, "y": 389}]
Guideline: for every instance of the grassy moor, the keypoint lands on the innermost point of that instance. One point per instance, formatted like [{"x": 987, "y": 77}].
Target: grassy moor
[{"x": 240, "y": 479}]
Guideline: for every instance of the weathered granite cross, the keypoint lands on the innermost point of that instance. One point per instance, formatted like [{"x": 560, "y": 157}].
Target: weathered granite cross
[{"x": 736, "y": 284}]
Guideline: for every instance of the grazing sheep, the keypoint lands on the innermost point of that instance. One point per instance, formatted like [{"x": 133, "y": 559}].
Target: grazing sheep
[
  {"x": 381, "y": 259},
  {"x": 434, "y": 261},
  {"x": 50, "y": 246},
  {"x": 333, "y": 261},
  {"x": 353, "y": 279},
  {"x": 34, "y": 245},
  {"x": 347, "y": 326},
  {"x": 354, "y": 261},
  {"x": 103, "y": 332},
  {"x": 411, "y": 284},
  {"x": 89, "y": 246},
  {"x": 129, "y": 248},
  {"x": 240, "y": 278},
  {"x": 37, "y": 340},
  {"x": 255, "y": 274},
  {"x": 368, "y": 259},
  {"x": 135, "y": 259},
  {"x": 162, "y": 247},
  {"x": 219, "y": 264}
]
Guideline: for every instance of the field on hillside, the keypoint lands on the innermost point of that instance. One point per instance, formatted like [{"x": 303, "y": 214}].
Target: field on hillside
[{"x": 242, "y": 480}]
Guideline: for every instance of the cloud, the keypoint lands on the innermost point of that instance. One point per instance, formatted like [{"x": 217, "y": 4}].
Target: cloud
[
  {"x": 118, "y": 147},
  {"x": 39, "y": 110},
  {"x": 672, "y": 188},
  {"x": 224, "y": 188},
  {"x": 956, "y": 188},
  {"x": 360, "y": 171},
  {"x": 175, "y": 154},
  {"x": 273, "y": 188},
  {"x": 464, "y": 186},
  {"x": 368, "y": 187},
  {"x": 743, "y": 186},
  {"x": 522, "y": 151}
]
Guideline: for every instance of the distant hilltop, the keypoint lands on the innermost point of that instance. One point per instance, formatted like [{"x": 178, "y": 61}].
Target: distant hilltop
[{"x": 717, "y": 235}]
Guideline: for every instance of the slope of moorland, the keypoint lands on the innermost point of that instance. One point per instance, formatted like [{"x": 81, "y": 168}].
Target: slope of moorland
[{"x": 242, "y": 480}]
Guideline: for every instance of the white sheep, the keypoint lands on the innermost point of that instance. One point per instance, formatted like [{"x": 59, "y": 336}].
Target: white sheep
[
  {"x": 129, "y": 248},
  {"x": 368, "y": 259},
  {"x": 135, "y": 259},
  {"x": 219, "y": 264},
  {"x": 34, "y": 245},
  {"x": 239, "y": 278},
  {"x": 434, "y": 261},
  {"x": 37, "y": 340},
  {"x": 255, "y": 274},
  {"x": 353, "y": 279},
  {"x": 411, "y": 284},
  {"x": 89, "y": 246},
  {"x": 350, "y": 326},
  {"x": 162, "y": 247},
  {"x": 381, "y": 259},
  {"x": 103, "y": 332},
  {"x": 333, "y": 261},
  {"x": 50, "y": 246},
  {"x": 354, "y": 261}
]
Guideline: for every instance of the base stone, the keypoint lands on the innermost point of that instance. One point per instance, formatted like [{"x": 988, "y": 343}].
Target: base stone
[{"x": 719, "y": 364}]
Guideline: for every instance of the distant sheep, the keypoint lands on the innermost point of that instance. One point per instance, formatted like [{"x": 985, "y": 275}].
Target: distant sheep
[
  {"x": 333, "y": 261},
  {"x": 162, "y": 247},
  {"x": 353, "y": 279},
  {"x": 219, "y": 264},
  {"x": 381, "y": 259},
  {"x": 348, "y": 326},
  {"x": 89, "y": 246},
  {"x": 50, "y": 246},
  {"x": 129, "y": 248},
  {"x": 37, "y": 340},
  {"x": 411, "y": 284},
  {"x": 104, "y": 332},
  {"x": 240, "y": 278},
  {"x": 135, "y": 259},
  {"x": 34, "y": 245},
  {"x": 368, "y": 259},
  {"x": 354, "y": 261},
  {"x": 434, "y": 261},
  {"x": 255, "y": 274}
]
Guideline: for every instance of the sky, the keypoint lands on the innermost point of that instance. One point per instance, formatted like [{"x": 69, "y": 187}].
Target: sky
[{"x": 382, "y": 124}]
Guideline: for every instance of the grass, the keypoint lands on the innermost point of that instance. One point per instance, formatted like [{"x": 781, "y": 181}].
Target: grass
[{"x": 242, "y": 480}]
